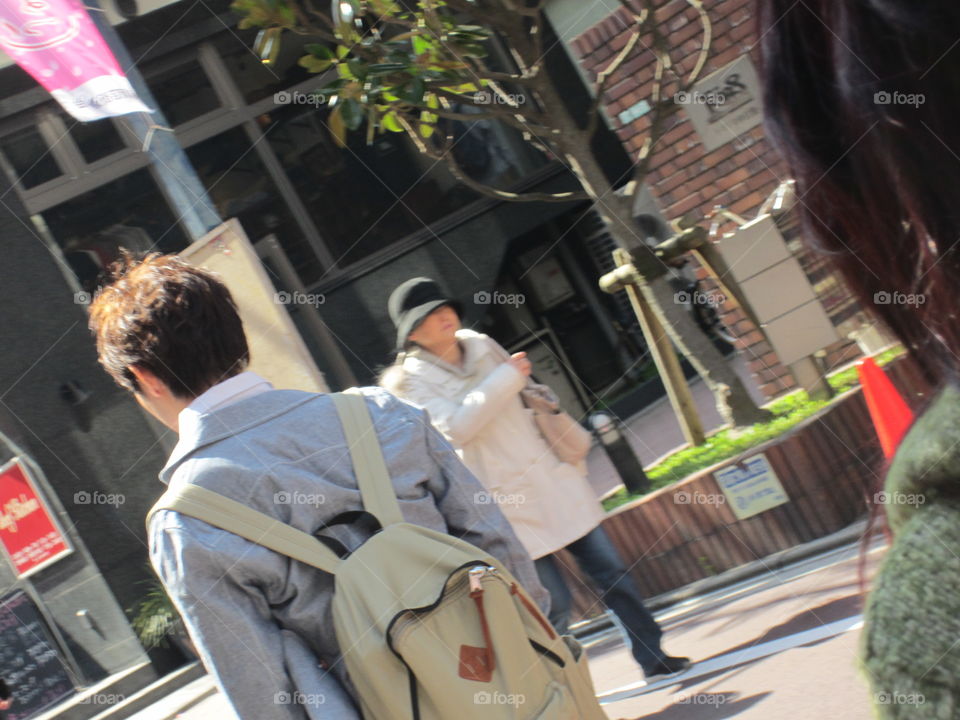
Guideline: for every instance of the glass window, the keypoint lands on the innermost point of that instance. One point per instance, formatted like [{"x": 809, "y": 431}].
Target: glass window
[
  {"x": 240, "y": 187},
  {"x": 367, "y": 196},
  {"x": 30, "y": 157},
  {"x": 96, "y": 139},
  {"x": 183, "y": 92},
  {"x": 257, "y": 80},
  {"x": 129, "y": 212}
]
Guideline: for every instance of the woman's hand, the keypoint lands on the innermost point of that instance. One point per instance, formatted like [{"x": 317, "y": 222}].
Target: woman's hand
[
  {"x": 5, "y": 704},
  {"x": 520, "y": 362}
]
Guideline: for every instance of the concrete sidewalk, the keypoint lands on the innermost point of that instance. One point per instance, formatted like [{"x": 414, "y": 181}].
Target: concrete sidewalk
[{"x": 803, "y": 616}]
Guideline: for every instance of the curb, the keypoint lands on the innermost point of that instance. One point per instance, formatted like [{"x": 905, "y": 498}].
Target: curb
[{"x": 587, "y": 631}]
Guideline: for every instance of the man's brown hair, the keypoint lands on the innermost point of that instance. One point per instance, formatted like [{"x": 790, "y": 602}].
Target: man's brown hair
[{"x": 166, "y": 316}]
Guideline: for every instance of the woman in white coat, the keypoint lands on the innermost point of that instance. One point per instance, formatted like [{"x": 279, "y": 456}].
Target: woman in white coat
[{"x": 473, "y": 397}]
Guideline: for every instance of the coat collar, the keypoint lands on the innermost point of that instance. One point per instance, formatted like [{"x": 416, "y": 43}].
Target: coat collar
[
  {"x": 203, "y": 429},
  {"x": 474, "y": 346},
  {"x": 927, "y": 465}
]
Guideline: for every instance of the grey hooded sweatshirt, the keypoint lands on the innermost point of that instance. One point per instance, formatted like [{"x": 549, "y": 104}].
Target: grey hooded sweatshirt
[{"x": 261, "y": 621}]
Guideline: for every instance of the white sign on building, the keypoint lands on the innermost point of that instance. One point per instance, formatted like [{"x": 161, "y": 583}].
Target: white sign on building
[{"x": 725, "y": 104}]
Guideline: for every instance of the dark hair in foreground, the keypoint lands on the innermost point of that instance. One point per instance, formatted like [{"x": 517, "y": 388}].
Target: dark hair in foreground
[
  {"x": 173, "y": 319},
  {"x": 861, "y": 98}
]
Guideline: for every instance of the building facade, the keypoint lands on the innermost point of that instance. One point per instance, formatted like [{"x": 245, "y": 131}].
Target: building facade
[{"x": 350, "y": 224}]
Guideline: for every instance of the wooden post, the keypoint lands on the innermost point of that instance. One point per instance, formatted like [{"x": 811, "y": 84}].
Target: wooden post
[{"x": 625, "y": 278}]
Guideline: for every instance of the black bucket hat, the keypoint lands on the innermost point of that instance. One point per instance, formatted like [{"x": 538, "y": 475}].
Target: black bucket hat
[{"x": 412, "y": 301}]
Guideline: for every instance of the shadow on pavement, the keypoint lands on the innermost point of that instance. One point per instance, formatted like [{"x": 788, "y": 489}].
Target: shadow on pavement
[{"x": 704, "y": 706}]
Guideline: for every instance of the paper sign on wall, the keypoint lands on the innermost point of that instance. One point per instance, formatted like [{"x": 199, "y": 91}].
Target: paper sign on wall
[{"x": 751, "y": 486}]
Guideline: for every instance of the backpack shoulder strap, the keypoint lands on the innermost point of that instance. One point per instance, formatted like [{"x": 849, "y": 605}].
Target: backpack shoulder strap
[
  {"x": 373, "y": 478},
  {"x": 232, "y": 516}
]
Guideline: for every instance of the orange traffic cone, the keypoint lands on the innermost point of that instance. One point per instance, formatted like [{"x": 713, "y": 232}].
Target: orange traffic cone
[{"x": 888, "y": 410}]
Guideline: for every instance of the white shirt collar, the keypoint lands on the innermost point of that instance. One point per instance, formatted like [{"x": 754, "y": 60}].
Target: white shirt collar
[{"x": 233, "y": 389}]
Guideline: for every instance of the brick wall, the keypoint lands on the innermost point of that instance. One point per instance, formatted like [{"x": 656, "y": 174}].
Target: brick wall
[{"x": 684, "y": 178}]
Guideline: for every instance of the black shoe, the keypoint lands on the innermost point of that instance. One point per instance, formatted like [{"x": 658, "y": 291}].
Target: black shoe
[{"x": 667, "y": 667}]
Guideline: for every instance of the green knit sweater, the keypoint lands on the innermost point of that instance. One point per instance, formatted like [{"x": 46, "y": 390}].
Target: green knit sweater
[{"x": 911, "y": 640}]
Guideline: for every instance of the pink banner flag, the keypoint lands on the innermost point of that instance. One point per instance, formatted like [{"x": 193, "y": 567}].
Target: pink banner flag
[{"x": 58, "y": 44}]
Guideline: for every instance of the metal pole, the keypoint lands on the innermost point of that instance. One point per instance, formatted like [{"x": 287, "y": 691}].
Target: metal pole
[
  {"x": 174, "y": 174},
  {"x": 625, "y": 278}
]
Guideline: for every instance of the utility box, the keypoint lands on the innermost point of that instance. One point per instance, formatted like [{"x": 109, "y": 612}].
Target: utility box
[{"x": 777, "y": 290}]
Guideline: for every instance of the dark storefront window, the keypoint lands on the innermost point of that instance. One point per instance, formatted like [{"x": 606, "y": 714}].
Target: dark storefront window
[
  {"x": 32, "y": 161},
  {"x": 96, "y": 139},
  {"x": 366, "y": 197},
  {"x": 183, "y": 92},
  {"x": 257, "y": 80},
  {"x": 129, "y": 212},
  {"x": 240, "y": 187}
]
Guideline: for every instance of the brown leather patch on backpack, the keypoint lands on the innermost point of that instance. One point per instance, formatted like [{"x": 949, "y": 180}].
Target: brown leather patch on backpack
[{"x": 474, "y": 664}]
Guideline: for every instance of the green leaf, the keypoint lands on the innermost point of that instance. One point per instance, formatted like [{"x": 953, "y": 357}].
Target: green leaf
[
  {"x": 352, "y": 113},
  {"x": 315, "y": 64},
  {"x": 413, "y": 93},
  {"x": 389, "y": 121},
  {"x": 320, "y": 51},
  {"x": 421, "y": 45},
  {"x": 426, "y": 130},
  {"x": 342, "y": 51},
  {"x": 337, "y": 128}
]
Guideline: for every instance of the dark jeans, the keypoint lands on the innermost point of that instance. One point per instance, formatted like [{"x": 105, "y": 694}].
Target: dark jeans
[{"x": 598, "y": 558}]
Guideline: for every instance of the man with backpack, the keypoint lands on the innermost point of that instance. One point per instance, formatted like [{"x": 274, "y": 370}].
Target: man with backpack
[{"x": 274, "y": 493}]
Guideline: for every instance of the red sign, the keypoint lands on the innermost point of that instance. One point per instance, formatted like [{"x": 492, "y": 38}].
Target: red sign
[{"x": 29, "y": 532}]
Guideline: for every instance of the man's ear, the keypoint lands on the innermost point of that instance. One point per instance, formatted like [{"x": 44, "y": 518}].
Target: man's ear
[{"x": 150, "y": 384}]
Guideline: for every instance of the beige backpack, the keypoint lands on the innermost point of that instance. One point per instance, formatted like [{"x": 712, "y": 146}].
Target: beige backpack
[{"x": 431, "y": 627}]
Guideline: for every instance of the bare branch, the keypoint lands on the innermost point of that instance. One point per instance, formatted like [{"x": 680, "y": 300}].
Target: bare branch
[{"x": 604, "y": 76}]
